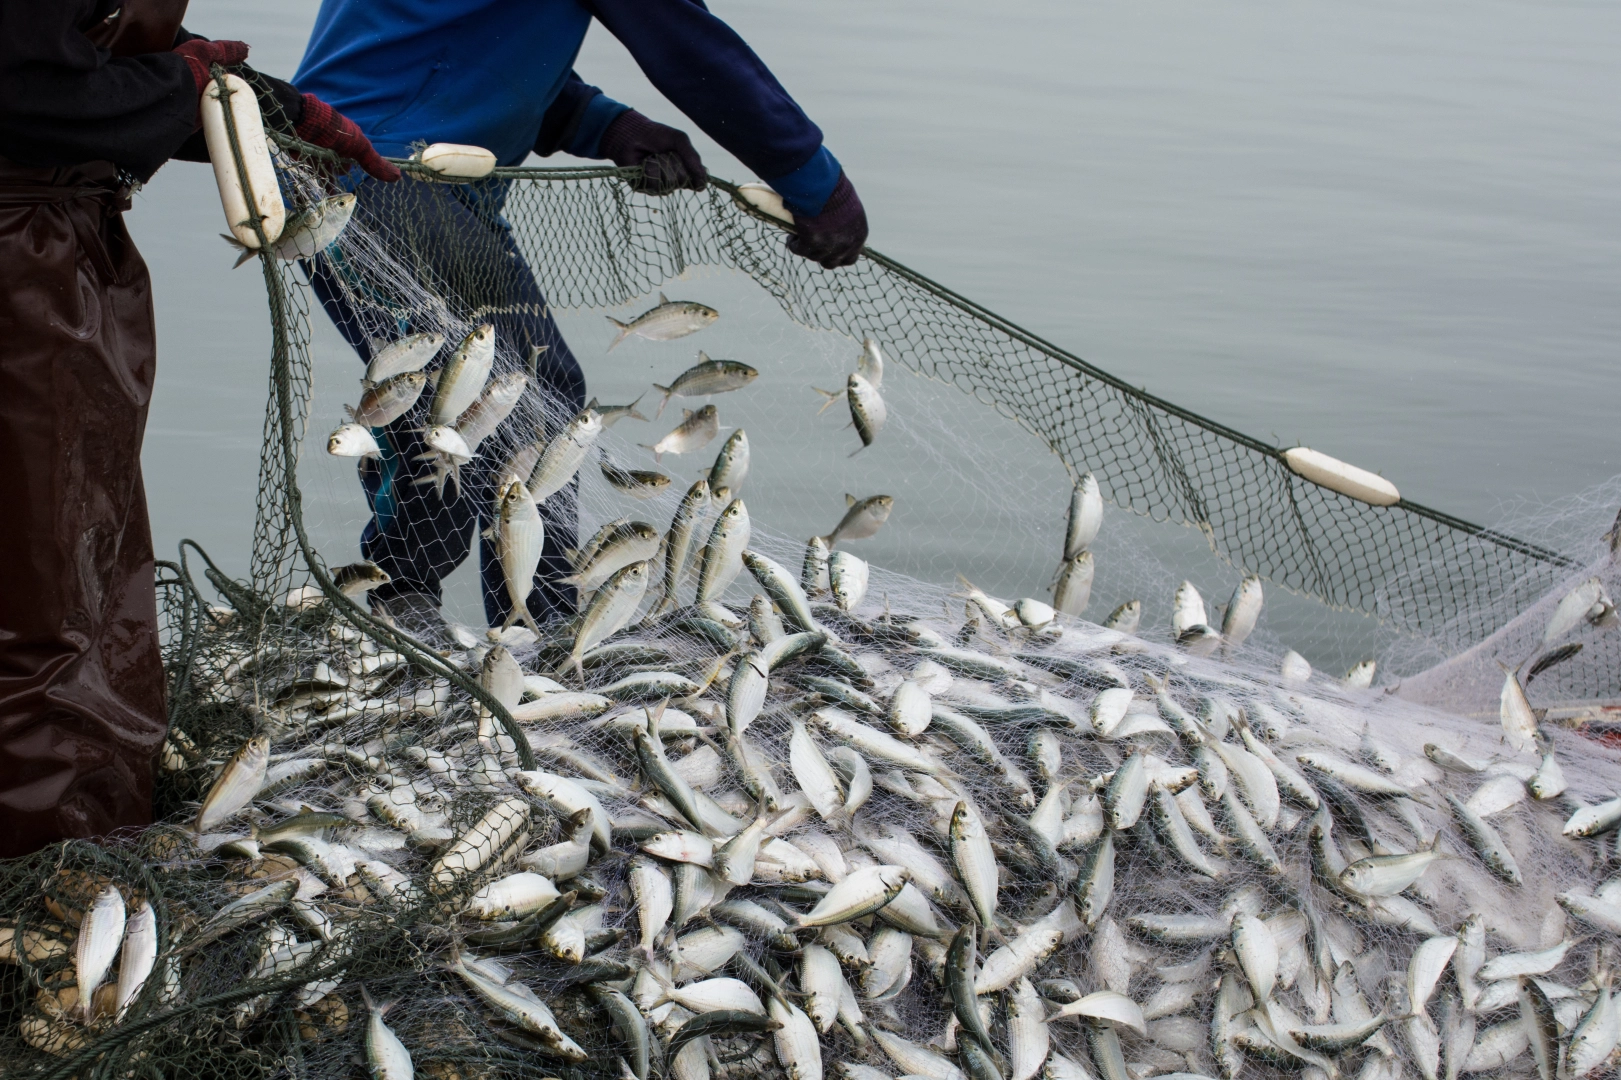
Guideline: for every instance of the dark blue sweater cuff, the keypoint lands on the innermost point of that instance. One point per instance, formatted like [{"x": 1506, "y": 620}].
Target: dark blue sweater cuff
[
  {"x": 602, "y": 111},
  {"x": 805, "y": 190}
]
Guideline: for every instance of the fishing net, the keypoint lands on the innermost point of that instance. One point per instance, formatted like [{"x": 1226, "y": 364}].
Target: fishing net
[{"x": 541, "y": 856}]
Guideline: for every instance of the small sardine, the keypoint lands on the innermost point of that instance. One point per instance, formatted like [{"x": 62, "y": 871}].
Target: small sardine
[
  {"x": 693, "y": 433},
  {"x": 388, "y": 401},
  {"x": 706, "y": 377},
  {"x": 668, "y": 320},
  {"x": 407, "y": 354}
]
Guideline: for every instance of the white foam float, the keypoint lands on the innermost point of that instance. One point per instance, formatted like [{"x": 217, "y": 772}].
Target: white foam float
[
  {"x": 457, "y": 163},
  {"x": 260, "y": 173},
  {"x": 1340, "y": 476}
]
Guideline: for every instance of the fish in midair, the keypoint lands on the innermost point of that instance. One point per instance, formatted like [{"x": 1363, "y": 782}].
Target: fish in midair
[
  {"x": 731, "y": 467},
  {"x": 669, "y": 320},
  {"x": 1074, "y": 588},
  {"x": 1243, "y": 611},
  {"x": 693, "y": 433},
  {"x": 637, "y": 483},
  {"x": 869, "y": 365},
  {"x": 1587, "y": 602},
  {"x": 868, "y": 413},
  {"x": 306, "y": 234},
  {"x": 612, "y": 414},
  {"x": 409, "y": 353},
  {"x": 862, "y": 518},
  {"x": 706, "y": 377}
]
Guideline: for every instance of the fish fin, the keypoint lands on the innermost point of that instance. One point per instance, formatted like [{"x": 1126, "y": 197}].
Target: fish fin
[
  {"x": 831, "y": 395},
  {"x": 856, "y": 451},
  {"x": 849, "y": 500},
  {"x": 433, "y": 377},
  {"x": 630, "y": 410},
  {"x": 534, "y": 361},
  {"x": 349, "y": 411},
  {"x": 624, "y": 332},
  {"x": 663, "y": 299},
  {"x": 592, "y": 404},
  {"x": 247, "y": 254},
  {"x": 703, "y": 357},
  {"x": 665, "y": 390},
  {"x": 234, "y": 242}
]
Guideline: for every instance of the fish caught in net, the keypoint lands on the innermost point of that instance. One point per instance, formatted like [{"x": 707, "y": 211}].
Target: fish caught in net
[{"x": 767, "y": 809}]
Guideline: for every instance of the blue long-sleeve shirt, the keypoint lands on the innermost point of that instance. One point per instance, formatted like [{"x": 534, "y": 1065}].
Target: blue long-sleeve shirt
[{"x": 499, "y": 74}]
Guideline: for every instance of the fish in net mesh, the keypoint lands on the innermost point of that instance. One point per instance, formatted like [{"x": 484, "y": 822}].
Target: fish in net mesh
[{"x": 795, "y": 815}]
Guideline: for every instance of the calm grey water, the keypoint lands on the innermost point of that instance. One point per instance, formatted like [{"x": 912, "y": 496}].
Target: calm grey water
[{"x": 1388, "y": 231}]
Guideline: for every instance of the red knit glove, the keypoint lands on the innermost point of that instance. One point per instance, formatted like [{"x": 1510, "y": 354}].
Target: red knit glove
[
  {"x": 200, "y": 54},
  {"x": 325, "y": 126}
]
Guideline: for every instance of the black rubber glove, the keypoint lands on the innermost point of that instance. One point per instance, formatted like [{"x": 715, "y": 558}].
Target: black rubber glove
[
  {"x": 667, "y": 157},
  {"x": 836, "y": 235}
]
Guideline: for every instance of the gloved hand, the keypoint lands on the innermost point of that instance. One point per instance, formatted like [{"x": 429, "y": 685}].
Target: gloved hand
[
  {"x": 323, "y": 125},
  {"x": 665, "y": 154},
  {"x": 199, "y": 54},
  {"x": 835, "y": 236}
]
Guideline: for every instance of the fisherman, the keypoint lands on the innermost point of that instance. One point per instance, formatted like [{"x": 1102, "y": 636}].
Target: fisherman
[
  {"x": 92, "y": 102},
  {"x": 499, "y": 74}
]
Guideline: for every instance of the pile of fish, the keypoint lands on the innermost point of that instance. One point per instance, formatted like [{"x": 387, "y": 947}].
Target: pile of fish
[{"x": 778, "y": 828}]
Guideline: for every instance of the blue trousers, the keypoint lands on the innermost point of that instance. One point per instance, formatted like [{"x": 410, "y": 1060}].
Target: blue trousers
[{"x": 457, "y": 245}]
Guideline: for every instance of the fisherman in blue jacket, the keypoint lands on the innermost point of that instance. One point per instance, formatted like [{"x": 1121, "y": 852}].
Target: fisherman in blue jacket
[{"x": 500, "y": 74}]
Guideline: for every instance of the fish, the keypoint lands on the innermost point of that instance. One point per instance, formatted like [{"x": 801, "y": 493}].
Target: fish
[
  {"x": 847, "y": 578},
  {"x": 138, "y": 956},
  {"x": 238, "y": 782},
  {"x": 520, "y": 538},
  {"x": 352, "y": 440},
  {"x": 1387, "y": 875},
  {"x": 975, "y": 861},
  {"x": 1294, "y": 668},
  {"x": 1518, "y": 719},
  {"x": 813, "y": 575},
  {"x": 463, "y": 376},
  {"x": 862, "y": 893},
  {"x": 868, "y": 413},
  {"x": 612, "y": 414},
  {"x": 1125, "y": 618},
  {"x": 706, "y": 377},
  {"x": 406, "y": 354},
  {"x": 693, "y": 433},
  {"x": 501, "y": 395},
  {"x": 386, "y": 1056},
  {"x": 386, "y": 402},
  {"x": 101, "y": 932},
  {"x": 307, "y": 233},
  {"x": 668, "y": 320},
  {"x": 731, "y": 466},
  {"x": 1360, "y": 677},
  {"x": 564, "y": 454},
  {"x": 862, "y": 519},
  {"x": 678, "y": 540},
  {"x": 356, "y": 579},
  {"x": 632, "y": 542},
  {"x": 722, "y": 558},
  {"x": 610, "y": 609},
  {"x": 869, "y": 365},
  {"x": 1486, "y": 842},
  {"x": 1188, "y": 610},
  {"x": 1573, "y": 609},
  {"x": 1073, "y": 590},
  {"x": 1243, "y": 612}
]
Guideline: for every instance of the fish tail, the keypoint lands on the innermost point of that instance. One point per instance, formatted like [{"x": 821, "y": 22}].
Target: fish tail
[
  {"x": 632, "y": 410},
  {"x": 624, "y": 332},
  {"x": 831, "y": 395},
  {"x": 665, "y": 390},
  {"x": 856, "y": 451}
]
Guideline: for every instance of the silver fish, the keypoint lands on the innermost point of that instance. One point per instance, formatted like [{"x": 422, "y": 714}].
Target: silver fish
[
  {"x": 723, "y": 555},
  {"x": 1514, "y": 710},
  {"x": 409, "y": 353},
  {"x": 1487, "y": 844},
  {"x": 564, "y": 455},
  {"x": 868, "y": 413},
  {"x": 1243, "y": 611},
  {"x": 462, "y": 378},
  {"x": 138, "y": 957},
  {"x": 101, "y": 931},
  {"x": 1573, "y": 608},
  {"x": 610, "y": 610},
  {"x": 1125, "y": 618},
  {"x": 386, "y": 1056},
  {"x": 1074, "y": 588},
  {"x": 352, "y": 440},
  {"x": 706, "y": 377},
  {"x": 862, "y": 518},
  {"x": 493, "y": 406},
  {"x": 520, "y": 536},
  {"x": 1085, "y": 517},
  {"x": 847, "y": 575},
  {"x": 632, "y": 542},
  {"x": 238, "y": 783},
  {"x": 693, "y": 433},
  {"x": 869, "y": 365},
  {"x": 612, "y": 414},
  {"x": 975, "y": 860},
  {"x": 784, "y": 592},
  {"x": 388, "y": 401},
  {"x": 307, "y": 233},
  {"x": 678, "y": 541},
  {"x": 813, "y": 576},
  {"x": 665, "y": 322},
  {"x": 731, "y": 467},
  {"x": 637, "y": 483}
]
